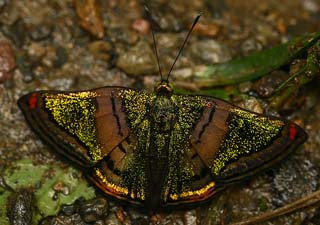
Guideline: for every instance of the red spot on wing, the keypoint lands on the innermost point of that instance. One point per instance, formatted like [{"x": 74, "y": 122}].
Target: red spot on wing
[
  {"x": 292, "y": 132},
  {"x": 32, "y": 100}
]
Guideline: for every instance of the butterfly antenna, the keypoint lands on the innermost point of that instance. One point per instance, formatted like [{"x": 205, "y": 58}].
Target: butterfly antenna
[
  {"x": 185, "y": 41},
  {"x": 154, "y": 41}
]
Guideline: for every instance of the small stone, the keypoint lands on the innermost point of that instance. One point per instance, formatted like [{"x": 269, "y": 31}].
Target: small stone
[
  {"x": 68, "y": 210},
  {"x": 7, "y": 61},
  {"x": 19, "y": 207},
  {"x": 138, "y": 60},
  {"x": 61, "y": 187},
  {"x": 100, "y": 50},
  {"x": 207, "y": 29},
  {"x": 141, "y": 221},
  {"x": 281, "y": 26},
  {"x": 25, "y": 66},
  {"x": 40, "y": 32},
  {"x": 55, "y": 57},
  {"x": 250, "y": 46},
  {"x": 28, "y": 75},
  {"x": 252, "y": 104},
  {"x": 90, "y": 17},
  {"x": 92, "y": 210},
  {"x": 266, "y": 86},
  {"x": 36, "y": 51},
  {"x": 210, "y": 51},
  {"x": 119, "y": 35},
  {"x": 61, "y": 57},
  {"x": 141, "y": 25},
  {"x": 121, "y": 215},
  {"x": 16, "y": 32},
  {"x": 74, "y": 219},
  {"x": 99, "y": 222},
  {"x": 3, "y": 4},
  {"x": 245, "y": 87},
  {"x": 9, "y": 84}
]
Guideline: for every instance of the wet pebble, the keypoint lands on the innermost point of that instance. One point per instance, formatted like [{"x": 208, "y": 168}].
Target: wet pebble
[
  {"x": 252, "y": 104},
  {"x": 167, "y": 22},
  {"x": 138, "y": 60},
  {"x": 40, "y": 32},
  {"x": 90, "y": 17},
  {"x": 207, "y": 29},
  {"x": 68, "y": 210},
  {"x": 113, "y": 220},
  {"x": 210, "y": 51},
  {"x": 62, "y": 188},
  {"x": 140, "y": 221},
  {"x": 290, "y": 184},
  {"x": 93, "y": 210},
  {"x": 266, "y": 86},
  {"x": 7, "y": 61},
  {"x": 61, "y": 57},
  {"x": 16, "y": 32},
  {"x": 55, "y": 57},
  {"x": 3, "y": 4},
  {"x": 141, "y": 25},
  {"x": 36, "y": 51},
  {"x": 25, "y": 65},
  {"x": 245, "y": 86},
  {"x": 250, "y": 45},
  {"x": 74, "y": 219},
  {"x": 311, "y": 6},
  {"x": 99, "y": 222},
  {"x": 19, "y": 207},
  {"x": 100, "y": 50},
  {"x": 119, "y": 35}
]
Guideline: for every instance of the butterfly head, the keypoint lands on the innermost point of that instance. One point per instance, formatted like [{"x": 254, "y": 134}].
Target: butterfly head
[{"x": 163, "y": 88}]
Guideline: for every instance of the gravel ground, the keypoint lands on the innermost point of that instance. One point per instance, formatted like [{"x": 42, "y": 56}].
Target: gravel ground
[{"x": 82, "y": 44}]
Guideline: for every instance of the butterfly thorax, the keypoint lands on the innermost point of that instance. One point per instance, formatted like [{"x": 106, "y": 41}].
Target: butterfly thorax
[{"x": 163, "y": 114}]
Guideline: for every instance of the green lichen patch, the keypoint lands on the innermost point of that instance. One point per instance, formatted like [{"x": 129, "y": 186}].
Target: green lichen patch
[
  {"x": 53, "y": 186},
  {"x": 4, "y": 194}
]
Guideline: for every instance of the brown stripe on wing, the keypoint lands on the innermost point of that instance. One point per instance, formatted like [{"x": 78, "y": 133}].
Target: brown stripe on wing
[
  {"x": 110, "y": 119},
  {"x": 211, "y": 130}
]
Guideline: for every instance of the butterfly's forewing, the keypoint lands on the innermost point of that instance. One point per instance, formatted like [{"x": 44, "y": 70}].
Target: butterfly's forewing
[
  {"x": 84, "y": 126},
  {"x": 235, "y": 143}
]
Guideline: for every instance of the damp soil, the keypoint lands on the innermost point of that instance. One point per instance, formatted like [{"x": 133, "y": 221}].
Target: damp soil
[{"x": 83, "y": 44}]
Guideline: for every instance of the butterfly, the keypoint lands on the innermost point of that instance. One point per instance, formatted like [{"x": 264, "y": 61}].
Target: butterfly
[{"x": 158, "y": 150}]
